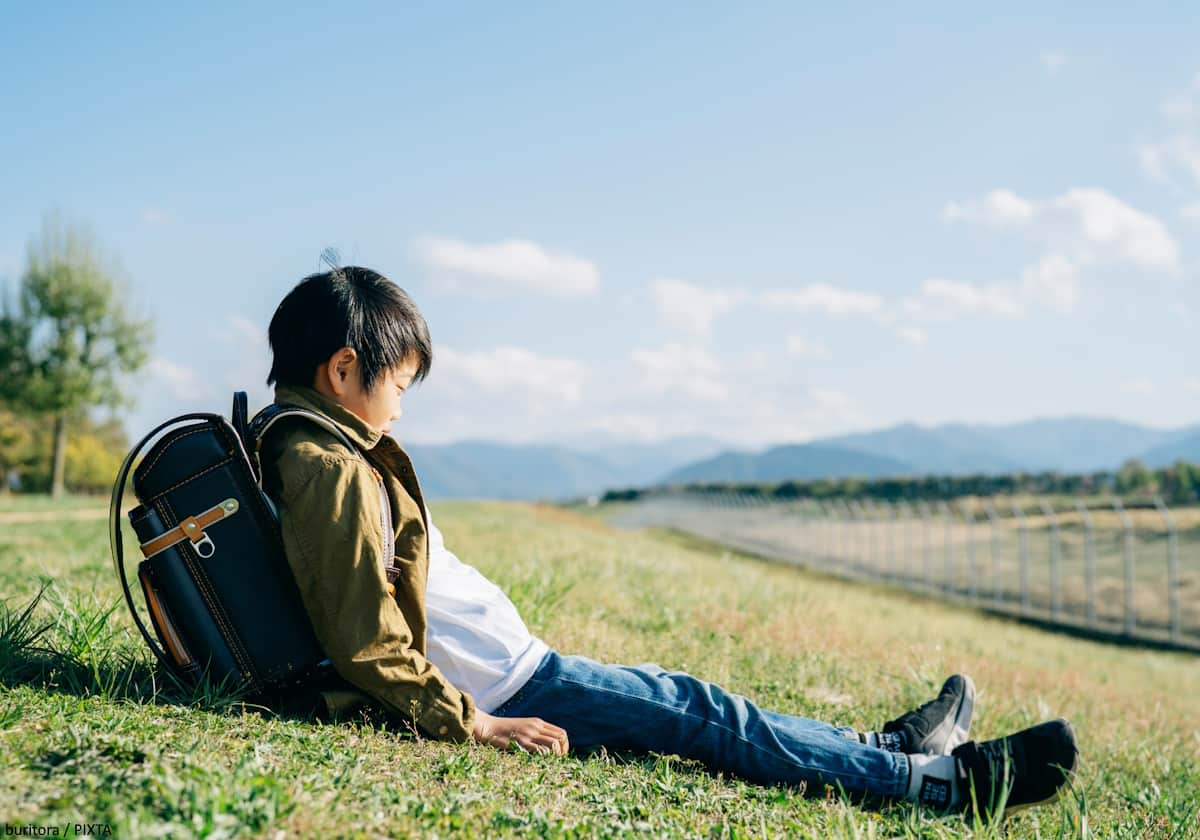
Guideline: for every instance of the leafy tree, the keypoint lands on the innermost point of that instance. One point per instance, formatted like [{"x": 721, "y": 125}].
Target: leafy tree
[
  {"x": 1134, "y": 477},
  {"x": 67, "y": 339},
  {"x": 16, "y": 446},
  {"x": 1178, "y": 483}
]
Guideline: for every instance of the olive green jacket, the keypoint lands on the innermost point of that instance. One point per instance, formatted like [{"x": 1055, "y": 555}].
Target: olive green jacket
[{"x": 330, "y": 518}]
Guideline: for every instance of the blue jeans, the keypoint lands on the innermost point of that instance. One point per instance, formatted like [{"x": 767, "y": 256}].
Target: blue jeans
[{"x": 647, "y": 709}]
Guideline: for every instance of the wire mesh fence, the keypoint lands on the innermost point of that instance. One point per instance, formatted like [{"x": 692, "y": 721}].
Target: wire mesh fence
[{"x": 1124, "y": 571}]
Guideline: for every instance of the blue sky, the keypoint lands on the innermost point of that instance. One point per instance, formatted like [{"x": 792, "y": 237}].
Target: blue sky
[{"x": 766, "y": 224}]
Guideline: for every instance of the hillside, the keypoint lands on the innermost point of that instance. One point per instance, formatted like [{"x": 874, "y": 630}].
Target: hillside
[
  {"x": 1066, "y": 444},
  {"x": 799, "y": 461},
  {"x": 83, "y": 737},
  {"x": 576, "y": 466}
]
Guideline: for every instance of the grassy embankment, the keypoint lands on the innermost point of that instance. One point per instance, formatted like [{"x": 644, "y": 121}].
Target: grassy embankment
[{"x": 84, "y": 738}]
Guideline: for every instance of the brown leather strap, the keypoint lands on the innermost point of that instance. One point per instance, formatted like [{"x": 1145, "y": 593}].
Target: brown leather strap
[
  {"x": 158, "y": 613},
  {"x": 192, "y": 529}
]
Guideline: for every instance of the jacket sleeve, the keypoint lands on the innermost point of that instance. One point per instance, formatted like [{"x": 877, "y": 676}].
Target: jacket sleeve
[{"x": 330, "y": 521}]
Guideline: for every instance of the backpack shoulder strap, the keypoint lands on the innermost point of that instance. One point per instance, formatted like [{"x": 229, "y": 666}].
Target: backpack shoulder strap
[
  {"x": 275, "y": 412},
  {"x": 263, "y": 421}
]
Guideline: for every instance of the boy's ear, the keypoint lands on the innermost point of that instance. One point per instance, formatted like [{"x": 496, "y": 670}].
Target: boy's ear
[{"x": 341, "y": 369}]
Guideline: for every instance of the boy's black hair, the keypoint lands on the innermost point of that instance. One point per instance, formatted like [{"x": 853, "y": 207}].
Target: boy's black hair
[{"x": 351, "y": 307}]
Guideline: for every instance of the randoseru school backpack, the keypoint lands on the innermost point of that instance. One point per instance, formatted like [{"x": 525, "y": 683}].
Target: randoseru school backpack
[{"x": 217, "y": 586}]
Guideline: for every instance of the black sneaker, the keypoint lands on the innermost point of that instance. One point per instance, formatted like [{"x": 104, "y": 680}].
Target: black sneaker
[
  {"x": 1016, "y": 772},
  {"x": 941, "y": 724}
]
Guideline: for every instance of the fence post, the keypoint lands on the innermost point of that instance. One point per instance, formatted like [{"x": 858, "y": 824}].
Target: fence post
[
  {"x": 968, "y": 516},
  {"x": 994, "y": 525},
  {"x": 859, "y": 552},
  {"x": 820, "y": 530},
  {"x": 1172, "y": 567},
  {"x": 909, "y": 554},
  {"x": 927, "y": 543},
  {"x": 891, "y": 519},
  {"x": 821, "y": 535},
  {"x": 835, "y": 534},
  {"x": 804, "y": 547},
  {"x": 1023, "y": 540},
  {"x": 851, "y": 545},
  {"x": 878, "y": 554},
  {"x": 1055, "y": 549},
  {"x": 947, "y": 553},
  {"x": 1127, "y": 527},
  {"x": 1089, "y": 561},
  {"x": 873, "y": 543},
  {"x": 839, "y": 518}
]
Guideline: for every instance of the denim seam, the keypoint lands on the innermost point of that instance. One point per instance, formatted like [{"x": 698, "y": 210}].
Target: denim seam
[{"x": 722, "y": 726}]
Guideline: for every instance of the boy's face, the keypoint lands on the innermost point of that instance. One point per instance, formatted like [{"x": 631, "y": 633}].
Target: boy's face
[{"x": 381, "y": 406}]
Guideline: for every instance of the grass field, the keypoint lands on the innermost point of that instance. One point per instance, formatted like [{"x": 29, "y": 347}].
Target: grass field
[{"x": 86, "y": 738}]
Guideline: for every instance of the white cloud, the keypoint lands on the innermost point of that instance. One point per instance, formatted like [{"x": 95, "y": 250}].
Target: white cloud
[
  {"x": 1179, "y": 108},
  {"x": 1053, "y": 60},
  {"x": 998, "y": 209},
  {"x": 502, "y": 370},
  {"x": 829, "y": 399},
  {"x": 748, "y": 417},
  {"x": 640, "y": 426},
  {"x": 681, "y": 368},
  {"x": 181, "y": 382},
  {"x": 154, "y": 216},
  {"x": 1191, "y": 384},
  {"x": 1141, "y": 387},
  {"x": 944, "y": 300},
  {"x": 802, "y": 348},
  {"x": 1190, "y": 213},
  {"x": 1053, "y": 282},
  {"x": 512, "y": 264},
  {"x": 825, "y": 298},
  {"x": 1178, "y": 150},
  {"x": 1050, "y": 283},
  {"x": 691, "y": 308},
  {"x": 1086, "y": 224},
  {"x": 912, "y": 335}
]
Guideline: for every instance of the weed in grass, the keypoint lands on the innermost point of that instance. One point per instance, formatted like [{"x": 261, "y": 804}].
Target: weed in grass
[{"x": 19, "y": 634}]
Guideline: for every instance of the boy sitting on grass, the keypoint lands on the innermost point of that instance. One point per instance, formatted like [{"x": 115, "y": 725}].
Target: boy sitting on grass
[{"x": 410, "y": 628}]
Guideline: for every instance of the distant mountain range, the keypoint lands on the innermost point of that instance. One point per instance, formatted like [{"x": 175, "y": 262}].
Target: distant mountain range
[
  {"x": 482, "y": 469},
  {"x": 579, "y": 467}
]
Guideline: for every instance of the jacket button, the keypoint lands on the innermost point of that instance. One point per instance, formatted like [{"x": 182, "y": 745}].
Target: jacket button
[{"x": 442, "y": 730}]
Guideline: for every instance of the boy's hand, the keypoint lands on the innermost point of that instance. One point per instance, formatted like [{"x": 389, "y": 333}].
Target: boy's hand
[{"x": 533, "y": 734}]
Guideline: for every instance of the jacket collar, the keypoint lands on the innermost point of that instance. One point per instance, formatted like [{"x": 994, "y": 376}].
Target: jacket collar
[{"x": 361, "y": 434}]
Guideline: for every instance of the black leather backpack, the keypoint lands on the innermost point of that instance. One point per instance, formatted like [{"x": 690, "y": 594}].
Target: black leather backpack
[{"x": 217, "y": 586}]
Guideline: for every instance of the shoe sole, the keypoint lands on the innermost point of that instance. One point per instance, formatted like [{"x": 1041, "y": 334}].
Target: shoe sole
[{"x": 1016, "y": 809}]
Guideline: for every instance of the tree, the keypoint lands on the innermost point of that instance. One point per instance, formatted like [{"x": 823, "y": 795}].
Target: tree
[
  {"x": 16, "y": 441},
  {"x": 1134, "y": 477},
  {"x": 1178, "y": 483},
  {"x": 67, "y": 339}
]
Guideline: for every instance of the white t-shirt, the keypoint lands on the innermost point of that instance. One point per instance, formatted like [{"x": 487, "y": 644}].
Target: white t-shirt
[{"x": 474, "y": 634}]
